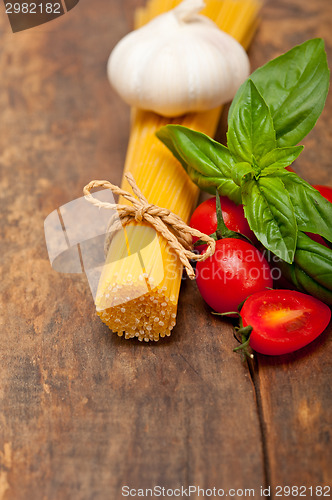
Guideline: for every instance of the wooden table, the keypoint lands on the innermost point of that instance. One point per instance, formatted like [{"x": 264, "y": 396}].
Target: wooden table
[{"x": 82, "y": 412}]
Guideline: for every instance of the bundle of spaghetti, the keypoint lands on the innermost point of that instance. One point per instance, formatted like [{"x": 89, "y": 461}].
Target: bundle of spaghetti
[{"x": 139, "y": 286}]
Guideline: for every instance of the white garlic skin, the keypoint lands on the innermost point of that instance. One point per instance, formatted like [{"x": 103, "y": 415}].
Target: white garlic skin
[{"x": 178, "y": 63}]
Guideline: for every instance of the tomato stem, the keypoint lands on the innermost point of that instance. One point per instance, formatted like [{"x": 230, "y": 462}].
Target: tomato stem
[
  {"x": 245, "y": 332},
  {"x": 244, "y": 349},
  {"x": 231, "y": 313},
  {"x": 222, "y": 230}
]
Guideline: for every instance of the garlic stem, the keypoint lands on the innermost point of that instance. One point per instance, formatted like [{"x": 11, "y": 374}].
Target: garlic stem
[{"x": 187, "y": 9}]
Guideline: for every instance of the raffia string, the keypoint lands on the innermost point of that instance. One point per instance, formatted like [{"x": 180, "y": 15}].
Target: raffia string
[{"x": 168, "y": 224}]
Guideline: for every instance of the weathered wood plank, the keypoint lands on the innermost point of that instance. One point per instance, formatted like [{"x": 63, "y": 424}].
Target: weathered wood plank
[
  {"x": 294, "y": 390},
  {"x": 82, "y": 412}
]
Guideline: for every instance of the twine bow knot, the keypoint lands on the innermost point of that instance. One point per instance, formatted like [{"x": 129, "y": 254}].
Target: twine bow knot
[
  {"x": 139, "y": 216},
  {"x": 169, "y": 225}
]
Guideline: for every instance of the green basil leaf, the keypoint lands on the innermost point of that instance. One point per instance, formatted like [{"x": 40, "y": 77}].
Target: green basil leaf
[
  {"x": 241, "y": 171},
  {"x": 280, "y": 157},
  {"x": 208, "y": 163},
  {"x": 270, "y": 214},
  {"x": 294, "y": 86},
  {"x": 311, "y": 271},
  {"x": 226, "y": 187},
  {"x": 313, "y": 212},
  {"x": 207, "y": 156},
  {"x": 250, "y": 127},
  {"x": 315, "y": 259}
]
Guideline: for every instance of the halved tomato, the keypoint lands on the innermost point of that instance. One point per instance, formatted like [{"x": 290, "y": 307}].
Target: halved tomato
[{"x": 283, "y": 320}]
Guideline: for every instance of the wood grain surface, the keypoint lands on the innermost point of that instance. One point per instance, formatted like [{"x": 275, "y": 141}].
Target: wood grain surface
[{"x": 82, "y": 412}]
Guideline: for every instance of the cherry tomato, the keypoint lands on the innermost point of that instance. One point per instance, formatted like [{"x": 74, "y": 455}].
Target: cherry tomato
[
  {"x": 204, "y": 218},
  {"x": 325, "y": 191},
  {"x": 283, "y": 320},
  {"x": 235, "y": 271}
]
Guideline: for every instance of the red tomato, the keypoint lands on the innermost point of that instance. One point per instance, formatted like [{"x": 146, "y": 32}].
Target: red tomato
[
  {"x": 290, "y": 169},
  {"x": 235, "y": 271},
  {"x": 283, "y": 320},
  {"x": 204, "y": 218},
  {"x": 325, "y": 191}
]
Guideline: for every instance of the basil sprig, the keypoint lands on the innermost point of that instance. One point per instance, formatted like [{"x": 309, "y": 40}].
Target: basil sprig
[
  {"x": 294, "y": 86},
  {"x": 274, "y": 109}
]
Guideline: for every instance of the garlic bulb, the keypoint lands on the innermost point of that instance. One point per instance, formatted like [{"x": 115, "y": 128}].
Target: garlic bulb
[{"x": 179, "y": 62}]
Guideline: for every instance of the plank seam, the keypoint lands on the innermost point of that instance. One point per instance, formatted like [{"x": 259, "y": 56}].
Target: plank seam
[{"x": 253, "y": 371}]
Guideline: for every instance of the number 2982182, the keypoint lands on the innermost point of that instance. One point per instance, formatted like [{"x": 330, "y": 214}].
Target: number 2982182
[{"x": 33, "y": 8}]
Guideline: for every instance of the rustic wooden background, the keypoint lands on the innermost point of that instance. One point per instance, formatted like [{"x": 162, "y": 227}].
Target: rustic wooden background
[{"x": 82, "y": 412}]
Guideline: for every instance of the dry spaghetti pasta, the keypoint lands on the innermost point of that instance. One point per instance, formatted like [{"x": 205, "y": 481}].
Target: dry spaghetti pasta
[{"x": 139, "y": 287}]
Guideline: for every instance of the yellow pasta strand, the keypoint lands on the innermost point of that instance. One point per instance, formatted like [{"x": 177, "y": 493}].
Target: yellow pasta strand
[{"x": 139, "y": 286}]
